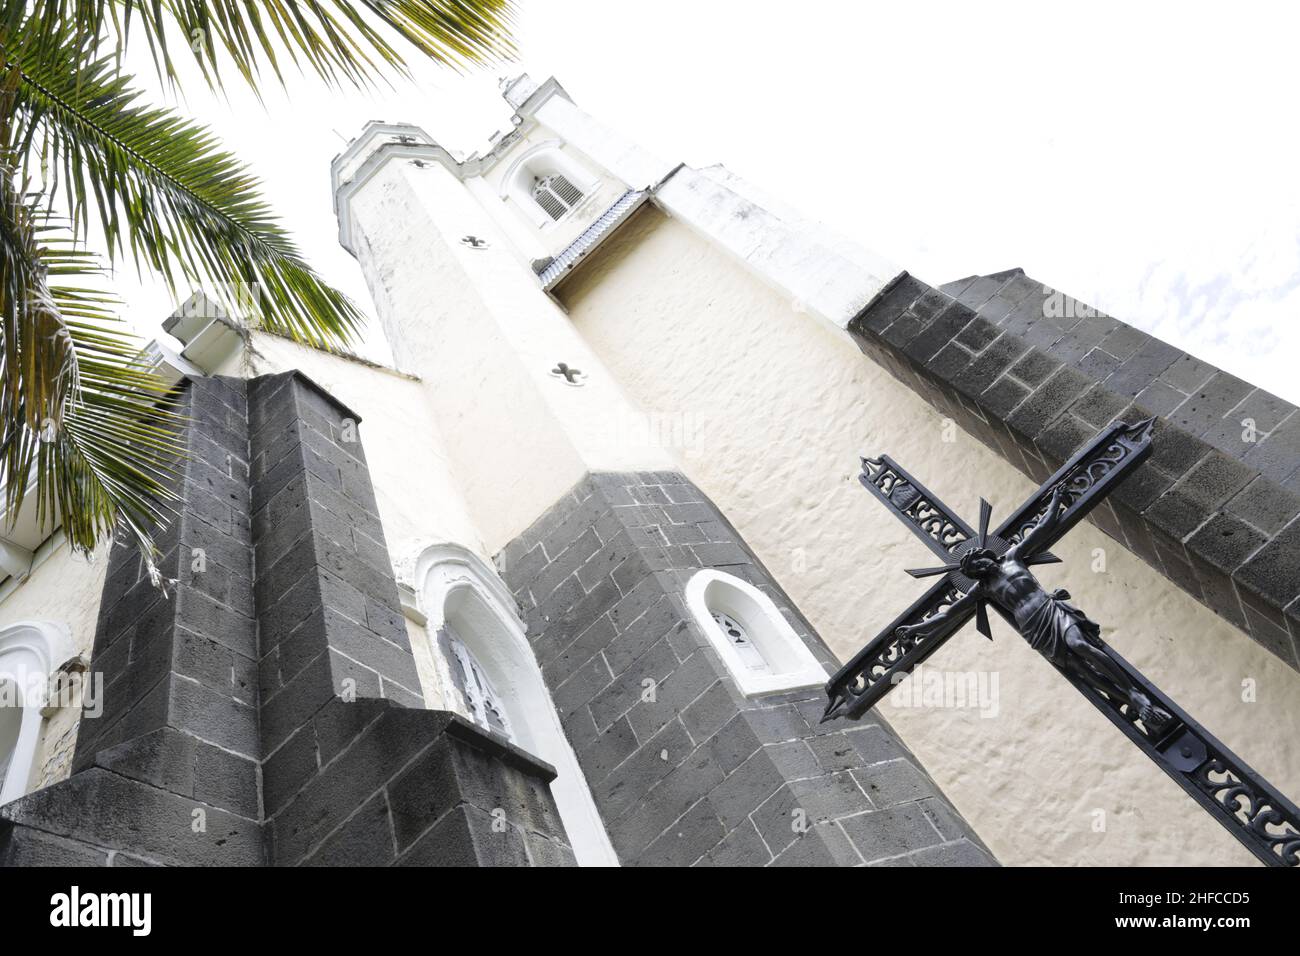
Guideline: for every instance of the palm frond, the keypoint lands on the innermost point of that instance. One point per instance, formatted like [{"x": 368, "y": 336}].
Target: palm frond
[
  {"x": 167, "y": 196},
  {"x": 87, "y": 428},
  {"x": 352, "y": 41}
]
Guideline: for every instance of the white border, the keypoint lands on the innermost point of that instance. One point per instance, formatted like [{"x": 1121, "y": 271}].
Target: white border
[
  {"x": 767, "y": 627},
  {"x": 30, "y": 651}
]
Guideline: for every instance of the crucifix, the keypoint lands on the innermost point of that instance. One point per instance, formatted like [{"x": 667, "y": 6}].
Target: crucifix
[{"x": 982, "y": 568}]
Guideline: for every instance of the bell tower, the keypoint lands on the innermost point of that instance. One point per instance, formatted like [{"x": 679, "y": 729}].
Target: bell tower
[{"x": 686, "y": 681}]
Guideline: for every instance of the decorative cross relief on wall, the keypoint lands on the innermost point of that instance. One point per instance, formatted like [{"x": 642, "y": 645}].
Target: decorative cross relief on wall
[{"x": 571, "y": 376}]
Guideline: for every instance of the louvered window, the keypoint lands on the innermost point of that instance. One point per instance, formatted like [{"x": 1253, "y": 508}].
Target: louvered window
[
  {"x": 482, "y": 702},
  {"x": 556, "y": 195}
]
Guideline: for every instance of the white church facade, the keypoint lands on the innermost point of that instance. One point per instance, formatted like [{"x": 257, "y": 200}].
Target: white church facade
[{"x": 566, "y": 582}]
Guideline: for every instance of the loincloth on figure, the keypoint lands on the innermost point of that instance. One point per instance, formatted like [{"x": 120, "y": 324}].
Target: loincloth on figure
[{"x": 1046, "y": 628}]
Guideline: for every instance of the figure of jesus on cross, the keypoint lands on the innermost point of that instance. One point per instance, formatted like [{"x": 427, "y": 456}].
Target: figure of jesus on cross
[
  {"x": 1056, "y": 629},
  {"x": 982, "y": 568}
]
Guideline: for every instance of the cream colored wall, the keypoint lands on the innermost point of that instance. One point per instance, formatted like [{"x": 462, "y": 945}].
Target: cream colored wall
[
  {"x": 782, "y": 406},
  {"x": 419, "y": 500},
  {"x": 64, "y": 589}
]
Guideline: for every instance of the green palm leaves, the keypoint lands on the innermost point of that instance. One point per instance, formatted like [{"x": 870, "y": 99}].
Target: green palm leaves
[{"x": 84, "y": 426}]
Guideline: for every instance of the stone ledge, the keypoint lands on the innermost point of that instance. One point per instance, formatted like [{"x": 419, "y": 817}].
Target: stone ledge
[{"x": 1035, "y": 374}]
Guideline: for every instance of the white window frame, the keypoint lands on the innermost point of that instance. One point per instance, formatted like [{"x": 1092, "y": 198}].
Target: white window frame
[
  {"x": 30, "y": 652},
  {"x": 790, "y": 664},
  {"x": 539, "y": 162}
]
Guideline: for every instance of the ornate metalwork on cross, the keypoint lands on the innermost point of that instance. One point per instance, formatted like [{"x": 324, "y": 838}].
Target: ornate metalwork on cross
[{"x": 982, "y": 568}]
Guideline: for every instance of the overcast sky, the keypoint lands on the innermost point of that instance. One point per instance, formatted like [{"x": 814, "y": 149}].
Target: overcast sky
[{"x": 1142, "y": 157}]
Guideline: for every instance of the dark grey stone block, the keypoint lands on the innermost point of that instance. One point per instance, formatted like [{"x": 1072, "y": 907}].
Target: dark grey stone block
[
  {"x": 364, "y": 840},
  {"x": 1210, "y": 403},
  {"x": 680, "y": 844},
  {"x": 1002, "y": 398},
  {"x": 1204, "y": 489},
  {"x": 891, "y": 832},
  {"x": 1278, "y": 456},
  {"x": 998, "y": 356},
  {"x": 1265, "y": 506},
  {"x": 26, "y": 847},
  {"x": 1035, "y": 367},
  {"x": 958, "y": 853},
  {"x": 741, "y": 847},
  {"x": 1051, "y": 398},
  {"x": 1274, "y": 570},
  {"x": 1225, "y": 541}
]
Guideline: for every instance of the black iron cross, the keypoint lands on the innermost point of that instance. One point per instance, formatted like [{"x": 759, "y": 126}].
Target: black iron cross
[{"x": 982, "y": 568}]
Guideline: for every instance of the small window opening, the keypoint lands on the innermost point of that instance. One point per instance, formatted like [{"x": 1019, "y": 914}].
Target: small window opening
[
  {"x": 482, "y": 702},
  {"x": 556, "y": 195}
]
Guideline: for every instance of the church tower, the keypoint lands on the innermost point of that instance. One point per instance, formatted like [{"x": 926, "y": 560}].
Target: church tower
[{"x": 687, "y": 684}]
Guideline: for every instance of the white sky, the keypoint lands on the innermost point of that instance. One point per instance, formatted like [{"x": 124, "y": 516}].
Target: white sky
[{"x": 1141, "y": 157}]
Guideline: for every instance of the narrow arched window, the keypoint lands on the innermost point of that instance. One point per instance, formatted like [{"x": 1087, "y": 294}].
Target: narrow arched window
[
  {"x": 485, "y": 670},
  {"x": 30, "y": 652},
  {"x": 482, "y": 702},
  {"x": 556, "y": 194},
  {"x": 757, "y": 644}
]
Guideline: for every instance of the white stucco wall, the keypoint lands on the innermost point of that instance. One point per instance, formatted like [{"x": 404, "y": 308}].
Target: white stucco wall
[
  {"x": 781, "y": 406},
  {"x": 483, "y": 339}
]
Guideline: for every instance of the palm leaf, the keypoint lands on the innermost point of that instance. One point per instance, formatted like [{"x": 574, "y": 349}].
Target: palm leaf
[
  {"x": 84, "y": 425},
  {"x": 341, "y": 41},
  {"x": 166, "y": 195},
  {"x": 87, "y": 429}
]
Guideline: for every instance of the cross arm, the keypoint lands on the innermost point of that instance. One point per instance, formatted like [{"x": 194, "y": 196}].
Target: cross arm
[
  {"x": 1084, "y": 480},
  {"x": 925, "y": 515},
  {"x": 861, "y": 683}
]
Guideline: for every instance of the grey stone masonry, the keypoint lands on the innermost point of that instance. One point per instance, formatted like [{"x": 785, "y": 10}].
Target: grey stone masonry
[
  {"x": 168, "y": 771},
  {"x": 685, "y": 769},
  {"x": 1035, "y": 374},
  {"x": 268, "y": 710}
]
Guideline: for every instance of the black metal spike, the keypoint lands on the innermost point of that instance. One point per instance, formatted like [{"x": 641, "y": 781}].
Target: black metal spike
[
  {"x": 1045, "y": 558},
  {"x": 982, "y": 620},
  {"x": 931, "y": 572},
  {"x": 986, "y": 510}
]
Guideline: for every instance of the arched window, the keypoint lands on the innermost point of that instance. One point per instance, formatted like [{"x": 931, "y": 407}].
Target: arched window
[
  {"x": 757, "y": 644},
  {"x": 555, "y": 194},
  {"x": 30, "y": 653},
  {"x": 488, "y": 673},
  {"x": 547, "y": 182}
]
